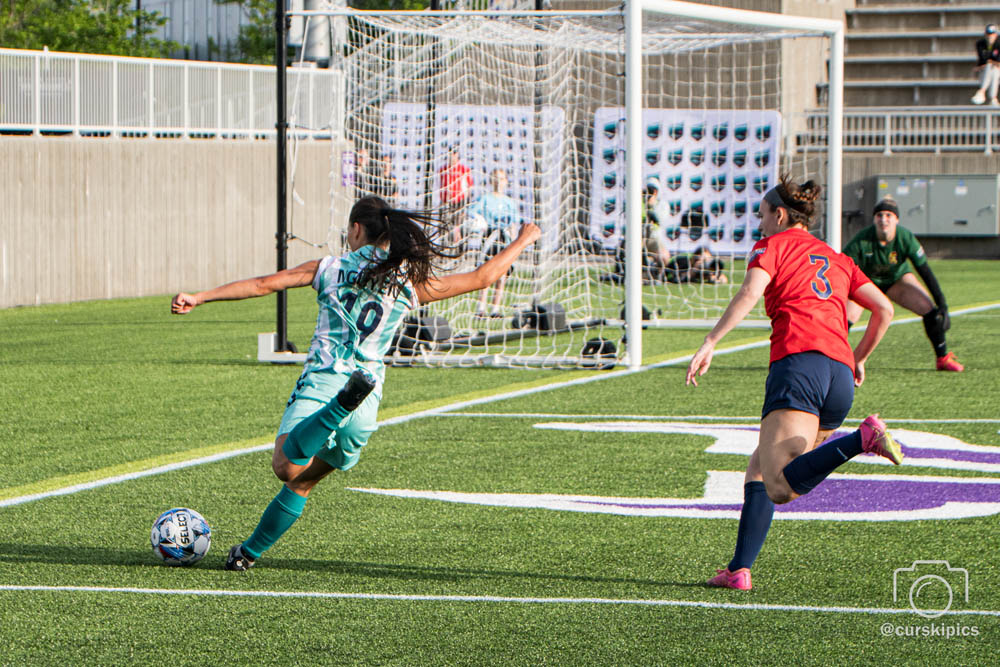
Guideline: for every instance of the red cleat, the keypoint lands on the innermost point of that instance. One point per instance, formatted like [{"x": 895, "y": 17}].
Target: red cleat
[
  {"x": 740, "y": 579},
  {"x": 949, "y": 363}
]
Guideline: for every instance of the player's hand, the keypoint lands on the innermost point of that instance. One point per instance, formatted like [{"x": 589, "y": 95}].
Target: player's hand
[
  {"x": 859, "y": 373},
  {"x": 530, "y": 232},
  {"x": 700, "y": 362},
  {"x": 183, "y": 304}
]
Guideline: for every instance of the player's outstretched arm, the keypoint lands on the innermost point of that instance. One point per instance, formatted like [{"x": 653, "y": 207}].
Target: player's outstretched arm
[
  {"x": 743, "y": 302},
  {"x": 488, "y": 273},
  {"x": 873, "y": 299},
  {"x": 299, "y": 276}
]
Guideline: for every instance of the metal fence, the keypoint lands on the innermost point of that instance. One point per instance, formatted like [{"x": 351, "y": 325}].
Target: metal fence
[
  {"x": 895, "y": 130},
  {"x": 44, "y": 92}
]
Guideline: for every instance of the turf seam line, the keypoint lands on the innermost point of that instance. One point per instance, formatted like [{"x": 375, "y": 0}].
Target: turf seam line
[{"x": 486, "y": 598}]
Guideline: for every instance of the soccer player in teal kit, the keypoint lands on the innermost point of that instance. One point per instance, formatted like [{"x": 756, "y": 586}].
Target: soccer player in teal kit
[{"x": 363, "y": 296}]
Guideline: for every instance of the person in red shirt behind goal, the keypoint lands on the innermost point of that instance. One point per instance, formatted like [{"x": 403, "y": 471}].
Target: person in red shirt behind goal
[
  {"x": 454, "y": 187},
  {"x": 813, "y": 370}
]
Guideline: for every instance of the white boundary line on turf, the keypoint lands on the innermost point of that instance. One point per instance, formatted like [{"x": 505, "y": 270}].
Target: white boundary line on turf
[
  {"x": 117, "y": 479},
  {"x": 421, "y": 414},
  {"x": 698, "y": 418},
  {"x": 487, "y": 598}
]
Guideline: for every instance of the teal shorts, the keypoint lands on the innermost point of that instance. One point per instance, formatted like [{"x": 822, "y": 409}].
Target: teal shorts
[{"x": 315, "y": 390}]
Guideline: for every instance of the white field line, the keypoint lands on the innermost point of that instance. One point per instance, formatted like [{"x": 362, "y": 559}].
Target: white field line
[
  {"x": 421, "y": 414},
  {"x": 691, "y": 418},
  {"x": 134, "y": 475},
  {"x": 488, "y": 599}
]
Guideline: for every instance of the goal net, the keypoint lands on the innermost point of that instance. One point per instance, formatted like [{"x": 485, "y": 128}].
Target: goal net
[{"x": 496, "y": 118}]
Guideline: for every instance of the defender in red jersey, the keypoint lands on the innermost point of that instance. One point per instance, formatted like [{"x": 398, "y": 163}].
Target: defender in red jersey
[{"x": 810, "y": 385}]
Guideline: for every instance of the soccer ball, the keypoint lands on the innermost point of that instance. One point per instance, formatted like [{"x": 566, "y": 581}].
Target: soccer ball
[{"x": 180, "y": 536}]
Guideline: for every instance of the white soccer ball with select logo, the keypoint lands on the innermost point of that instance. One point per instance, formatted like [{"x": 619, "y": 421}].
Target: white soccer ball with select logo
[{"x": 180, "y": 536}]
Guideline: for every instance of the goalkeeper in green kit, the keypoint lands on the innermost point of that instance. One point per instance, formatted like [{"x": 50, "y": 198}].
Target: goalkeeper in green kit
[{"x": 882, "y": 252}]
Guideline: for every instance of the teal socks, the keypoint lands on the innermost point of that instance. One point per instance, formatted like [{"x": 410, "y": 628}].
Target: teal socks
[
  {"x": 279, "y": 516},
  {"x": 310, "y": 435}
]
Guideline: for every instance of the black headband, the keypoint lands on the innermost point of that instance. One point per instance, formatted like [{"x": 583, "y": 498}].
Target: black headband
[{"x": 774, "y": 198}]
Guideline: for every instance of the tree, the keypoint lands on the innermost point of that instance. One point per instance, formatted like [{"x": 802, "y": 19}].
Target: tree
[
  {"x": 256, "y": 41},
  {"x": 111, "y": 27}
]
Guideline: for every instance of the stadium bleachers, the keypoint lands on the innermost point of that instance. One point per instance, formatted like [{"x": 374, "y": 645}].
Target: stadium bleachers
[{"x": 913, "y": 54}]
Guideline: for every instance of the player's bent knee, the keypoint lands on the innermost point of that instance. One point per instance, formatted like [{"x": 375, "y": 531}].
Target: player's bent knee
[
  {"x": 283, "y": 469},
  {"x": 302, "y": 487},
  {"x": 778, "y": 491},
  {"x": 780, "y": 497}
]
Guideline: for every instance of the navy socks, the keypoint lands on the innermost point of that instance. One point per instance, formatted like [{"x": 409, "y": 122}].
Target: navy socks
[
  {"x": 805, "y": 472},
  {"x": 755, "y": 521}
]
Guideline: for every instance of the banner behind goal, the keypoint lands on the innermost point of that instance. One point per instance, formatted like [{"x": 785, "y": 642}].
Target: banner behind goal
[{"x": 494, "y": 118}]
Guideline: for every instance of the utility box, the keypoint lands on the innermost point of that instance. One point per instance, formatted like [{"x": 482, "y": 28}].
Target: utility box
[{"x": 945, "y": 205}]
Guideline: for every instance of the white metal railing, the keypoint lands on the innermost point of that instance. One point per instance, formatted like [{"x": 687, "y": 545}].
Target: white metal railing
[
  {"x": 43, "y": 92},
  {"x": 897, "y": 130}
]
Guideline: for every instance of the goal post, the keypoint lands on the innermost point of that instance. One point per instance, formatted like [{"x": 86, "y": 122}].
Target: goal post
[
  {"x": 639, "y": 138},
  {"x": 634, "y": 89}
]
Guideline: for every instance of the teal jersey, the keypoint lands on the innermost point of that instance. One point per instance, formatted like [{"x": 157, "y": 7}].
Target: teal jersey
[
  {"x": 355, "y": 325},
  {"x": 885, "y": 264},
  {"x": 500, "y": 213}
]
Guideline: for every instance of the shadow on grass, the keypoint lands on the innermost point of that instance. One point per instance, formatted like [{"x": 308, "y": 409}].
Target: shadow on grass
[{"x": 12, "y": 553}]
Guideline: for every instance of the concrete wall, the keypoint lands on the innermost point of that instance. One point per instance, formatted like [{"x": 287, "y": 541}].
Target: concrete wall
[{"x": 99, "y": 218}]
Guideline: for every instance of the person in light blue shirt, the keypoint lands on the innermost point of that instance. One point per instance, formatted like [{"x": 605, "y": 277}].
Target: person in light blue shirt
[
  {"x": 363, "y": 296},
  {"x": 494, "y": 217}
]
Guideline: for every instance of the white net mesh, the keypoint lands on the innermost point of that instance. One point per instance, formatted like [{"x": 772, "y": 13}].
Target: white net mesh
[{"x": 494, "y": 120}]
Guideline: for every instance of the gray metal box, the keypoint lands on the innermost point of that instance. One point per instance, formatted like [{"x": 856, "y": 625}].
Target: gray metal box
[
  {"x": 964, "y": 206},
  {"x": 943, "y": 205},
  {"x": 912, "y": 195}
]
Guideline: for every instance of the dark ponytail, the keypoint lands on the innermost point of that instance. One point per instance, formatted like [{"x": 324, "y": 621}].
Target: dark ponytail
[{"x": 412, "y": 244}]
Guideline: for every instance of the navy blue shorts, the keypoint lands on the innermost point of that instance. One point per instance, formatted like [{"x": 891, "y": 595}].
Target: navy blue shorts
[{"x": 810, "y": 382}]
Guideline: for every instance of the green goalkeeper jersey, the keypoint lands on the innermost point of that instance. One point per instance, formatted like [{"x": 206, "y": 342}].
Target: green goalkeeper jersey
[{"x": 885, "y": 264}]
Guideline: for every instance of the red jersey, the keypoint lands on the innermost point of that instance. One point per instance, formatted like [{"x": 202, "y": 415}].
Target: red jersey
[
  {"x": 456, "y": 182},
  {"x": 807, "y": 296}
]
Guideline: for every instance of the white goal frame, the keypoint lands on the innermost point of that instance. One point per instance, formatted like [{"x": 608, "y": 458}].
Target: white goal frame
[{"x": 633, "y": 18}]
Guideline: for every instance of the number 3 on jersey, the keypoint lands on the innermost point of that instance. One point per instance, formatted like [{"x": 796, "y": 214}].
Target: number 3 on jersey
[
  {"x": 821, "y": 284},
  {"x": 365, "y": 327}
]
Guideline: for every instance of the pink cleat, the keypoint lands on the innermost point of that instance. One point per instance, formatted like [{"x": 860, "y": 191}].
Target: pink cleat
[
  {"x": 949, "y": 363},
  {"x": 875, "y": 439},
  {"x": 740, "y": 579}
]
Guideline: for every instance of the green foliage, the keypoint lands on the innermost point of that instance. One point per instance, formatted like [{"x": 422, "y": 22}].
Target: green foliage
[
  {"x": 390, "y": 4},
  {"x": 111, "y": 27},
  {"x": 256, "y": 40}
]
